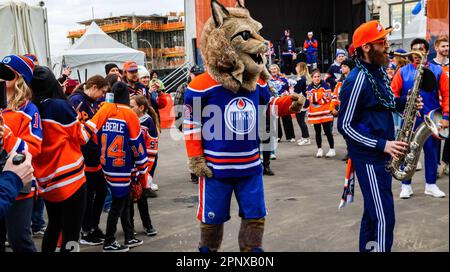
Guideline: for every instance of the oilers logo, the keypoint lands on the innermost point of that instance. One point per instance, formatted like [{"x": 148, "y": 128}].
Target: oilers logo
[
  {"x": 6, "y": 60},
  {"x": 240, "y": 115},
  {"x": 276, "y": 86}
]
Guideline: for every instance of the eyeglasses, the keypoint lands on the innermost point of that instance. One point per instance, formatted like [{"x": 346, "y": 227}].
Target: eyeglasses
[{"x": 381, "y": 41}]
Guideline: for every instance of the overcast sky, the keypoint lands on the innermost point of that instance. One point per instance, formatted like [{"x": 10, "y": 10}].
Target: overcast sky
[{"x": 63, "y": 15}]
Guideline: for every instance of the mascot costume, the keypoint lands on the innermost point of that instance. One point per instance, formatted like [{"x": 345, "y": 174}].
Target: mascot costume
[{"x": 221, "y": 125}]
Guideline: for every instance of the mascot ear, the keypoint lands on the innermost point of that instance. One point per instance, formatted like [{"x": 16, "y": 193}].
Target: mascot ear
[
  {"x": 219, "y": 13},
  {"x": 240, "y": 3}
]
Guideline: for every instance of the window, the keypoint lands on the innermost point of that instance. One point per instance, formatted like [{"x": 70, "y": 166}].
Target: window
[{"x": 414, "y": 24}]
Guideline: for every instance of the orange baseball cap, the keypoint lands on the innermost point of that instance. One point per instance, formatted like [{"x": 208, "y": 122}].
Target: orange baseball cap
[
  {"x": 369, "y": 32},
  {"x": 130, "y": 66}
]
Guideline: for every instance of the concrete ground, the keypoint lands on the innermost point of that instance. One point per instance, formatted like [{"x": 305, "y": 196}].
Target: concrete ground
[{"x": 302, "y": 201}]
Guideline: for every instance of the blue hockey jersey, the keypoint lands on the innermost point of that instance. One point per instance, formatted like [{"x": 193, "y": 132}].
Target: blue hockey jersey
[{"x": 223, "y": 126}]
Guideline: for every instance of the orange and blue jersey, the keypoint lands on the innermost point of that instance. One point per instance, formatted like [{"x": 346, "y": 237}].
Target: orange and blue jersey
[
  {"x": 86, "y": 108},
  {"x": 23, "y": 131},
  {"x": 59, "y": 168},
  {"x": 320, "y": 103},
  {"x": 437, "y": 99},
  {"x": 122, "y": 147},
  {"x": 335, "y": 101},
  {"x": 150, "y": 134},
  {"x": 280, "y": 85},
  {"x": 222, "y": 125}
]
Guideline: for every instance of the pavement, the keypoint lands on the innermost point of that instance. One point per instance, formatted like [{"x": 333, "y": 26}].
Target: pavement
[{"x": 302, "y": 201}]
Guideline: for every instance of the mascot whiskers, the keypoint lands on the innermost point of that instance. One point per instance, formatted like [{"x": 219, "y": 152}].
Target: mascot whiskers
[{"x": 221, "y": 112}]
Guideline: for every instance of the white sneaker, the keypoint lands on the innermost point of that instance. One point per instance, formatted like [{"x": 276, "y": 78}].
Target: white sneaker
[
  {"x": 319, "y": 153},
  {"x": 154, "y": 187},
  {"x": 419, "y": 166},
  {"x": 300, "y": 140},
  {"x": 331, "y": 153},
  {"x": 292, "y": 140},
  {"x": 433, "y": 190},
  {"x": 273, "y": 156},
  {"x": 406, "y": 192},
  {"x": 304, "y": 142}
]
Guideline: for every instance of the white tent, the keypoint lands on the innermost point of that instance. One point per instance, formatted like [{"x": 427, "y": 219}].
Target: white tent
[
  {"x": 24, "y": 30},
  {"x": 89, "y": 55}
]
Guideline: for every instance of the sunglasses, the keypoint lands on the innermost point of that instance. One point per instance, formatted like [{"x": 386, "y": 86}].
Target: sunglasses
[{"x": 381, "y": 41}]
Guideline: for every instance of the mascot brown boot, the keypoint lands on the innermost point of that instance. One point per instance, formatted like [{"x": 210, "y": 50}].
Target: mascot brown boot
[
  {"x": 251, "y": 235},
  {"x": 210, "y": 237}
]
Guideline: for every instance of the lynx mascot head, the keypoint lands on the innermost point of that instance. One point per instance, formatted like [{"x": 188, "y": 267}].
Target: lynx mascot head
[{"x": 232, "y": 49}]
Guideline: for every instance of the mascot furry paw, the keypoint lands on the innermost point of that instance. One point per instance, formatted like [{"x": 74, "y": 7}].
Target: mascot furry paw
[{"x": 221, "y": 112}]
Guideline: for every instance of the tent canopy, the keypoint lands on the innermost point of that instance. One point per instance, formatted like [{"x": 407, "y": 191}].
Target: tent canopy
[
  {"x": 24, "y": 30},
  {"x": 95, "y": 49}
]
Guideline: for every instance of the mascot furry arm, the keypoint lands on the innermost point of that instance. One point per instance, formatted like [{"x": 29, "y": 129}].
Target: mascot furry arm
[{"x": 234, "y": 56}]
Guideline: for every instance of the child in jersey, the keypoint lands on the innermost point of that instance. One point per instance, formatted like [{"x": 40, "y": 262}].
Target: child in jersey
[
  {"x": 122, "y": 149},
  {"x": 149, "y": 128}
]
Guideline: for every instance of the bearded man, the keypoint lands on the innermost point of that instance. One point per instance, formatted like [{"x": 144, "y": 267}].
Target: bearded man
[{"x": 366, "y": 122}]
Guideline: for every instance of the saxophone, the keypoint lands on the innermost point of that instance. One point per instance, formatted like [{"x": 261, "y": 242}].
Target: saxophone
[{"x": 404, "y": 167}]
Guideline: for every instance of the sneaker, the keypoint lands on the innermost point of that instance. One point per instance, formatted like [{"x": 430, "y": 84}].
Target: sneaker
[
  {"x": 150, "y": 193},
  {"x": 304, "y": 142},
  {"x": 331, "y": 153},
  {"x": 115, "y": 247},
  {"x": 433, "y": 190},
  {"x": 278, "y": 139},
  {"x": 267, "y": 171},
  {"x": 300, "y": 140},
  {"x": 150, "y": 231},
  {"x": 98, "y": 233},
  {"x": 406, "y": 192},
  {"x": 292, "y": 140},
  {"x": 273, "y": 156},
  {"x": 419, "y": 166},
  {"x": 154, "y": 187},
  {"x": 39, "y": 233},
  {"x": 134, "y": 242},
  {"x": 319, "y": 153},
  {"x": 90, "y": 240}
]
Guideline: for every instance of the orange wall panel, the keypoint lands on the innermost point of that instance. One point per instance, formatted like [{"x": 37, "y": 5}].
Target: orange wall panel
[{"x": 203, "y": 12}]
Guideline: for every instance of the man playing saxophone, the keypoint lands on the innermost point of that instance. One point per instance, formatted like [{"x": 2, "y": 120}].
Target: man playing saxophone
[
  {"x": 436, "y": 99},
  {"x": 366, "y": 122}
]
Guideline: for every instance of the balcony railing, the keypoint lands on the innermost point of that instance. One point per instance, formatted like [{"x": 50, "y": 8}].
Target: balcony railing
[{"x": 117, "y": 27}]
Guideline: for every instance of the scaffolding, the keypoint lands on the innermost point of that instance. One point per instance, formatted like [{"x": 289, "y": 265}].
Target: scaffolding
[{"x": 161, "y": 38}]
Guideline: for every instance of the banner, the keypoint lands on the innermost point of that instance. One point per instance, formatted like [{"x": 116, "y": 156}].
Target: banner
[{"x": 437, "y": 18}]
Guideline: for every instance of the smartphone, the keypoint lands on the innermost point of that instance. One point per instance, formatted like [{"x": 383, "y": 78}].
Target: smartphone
[{"x": 3, "y": 99}]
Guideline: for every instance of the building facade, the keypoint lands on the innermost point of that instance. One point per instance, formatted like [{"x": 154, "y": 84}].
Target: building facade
[{"x": 161, "y": 38}]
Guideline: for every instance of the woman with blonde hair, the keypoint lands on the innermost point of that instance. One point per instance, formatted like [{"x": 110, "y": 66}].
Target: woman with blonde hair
[
  {"x": 280, "y": 87},
  {"x": 23, "y": 132},
  {"x": 320, "y": 99},
  {"x": 303, "y": 80}
]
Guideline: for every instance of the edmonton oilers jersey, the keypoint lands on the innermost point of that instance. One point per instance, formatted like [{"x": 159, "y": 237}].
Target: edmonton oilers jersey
[
  {"x": 122, "y": 149},
  {"x": 223, "y": 126}
]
